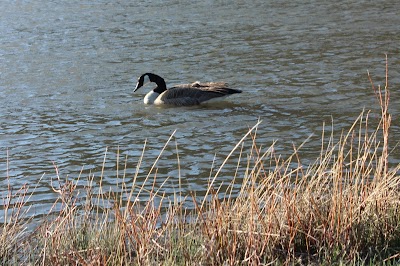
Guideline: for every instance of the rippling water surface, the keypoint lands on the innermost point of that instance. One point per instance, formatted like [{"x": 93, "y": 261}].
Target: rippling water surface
[{"x": 68, "y": 68}]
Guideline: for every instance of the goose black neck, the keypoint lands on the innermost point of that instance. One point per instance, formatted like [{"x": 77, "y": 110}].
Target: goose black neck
[{"x": 161, "y": 86}]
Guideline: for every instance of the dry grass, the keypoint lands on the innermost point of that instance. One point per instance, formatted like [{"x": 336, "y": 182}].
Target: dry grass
[{"x": 342, "y": 209}]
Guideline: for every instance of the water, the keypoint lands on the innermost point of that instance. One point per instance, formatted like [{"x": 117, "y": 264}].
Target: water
[{"x": 68, "y": 69}]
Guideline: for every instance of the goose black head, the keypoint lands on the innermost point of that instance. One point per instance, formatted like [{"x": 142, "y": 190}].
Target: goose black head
[
  {"x": 140, "y": 82},
  {"x": 151, "y": 78}
]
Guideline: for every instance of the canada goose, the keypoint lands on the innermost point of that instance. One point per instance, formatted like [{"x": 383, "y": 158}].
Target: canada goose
[{"x": 184, "y": 94}]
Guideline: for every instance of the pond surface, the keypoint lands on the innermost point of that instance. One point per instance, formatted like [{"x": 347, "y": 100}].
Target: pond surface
[{"x": 68, "y": 69}]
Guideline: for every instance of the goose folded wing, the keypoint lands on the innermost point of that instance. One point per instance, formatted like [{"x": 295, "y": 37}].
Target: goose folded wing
[
  {"x": 198, "y": 84},
  {"x": 189, "y": 96}
]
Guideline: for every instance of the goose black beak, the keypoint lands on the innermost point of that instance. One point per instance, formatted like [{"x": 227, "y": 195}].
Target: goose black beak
[{"x": 138, "y": 85}]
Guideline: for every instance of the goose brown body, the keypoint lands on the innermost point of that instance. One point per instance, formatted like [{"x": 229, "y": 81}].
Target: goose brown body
[{"x": 183, "y": 94}]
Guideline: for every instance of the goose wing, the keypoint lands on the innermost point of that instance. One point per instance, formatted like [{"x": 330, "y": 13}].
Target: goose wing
[
  {"x": 198, "y": 84},
  {"x": 181, "y": 96},
  {"x": 193, "y": 95}
]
